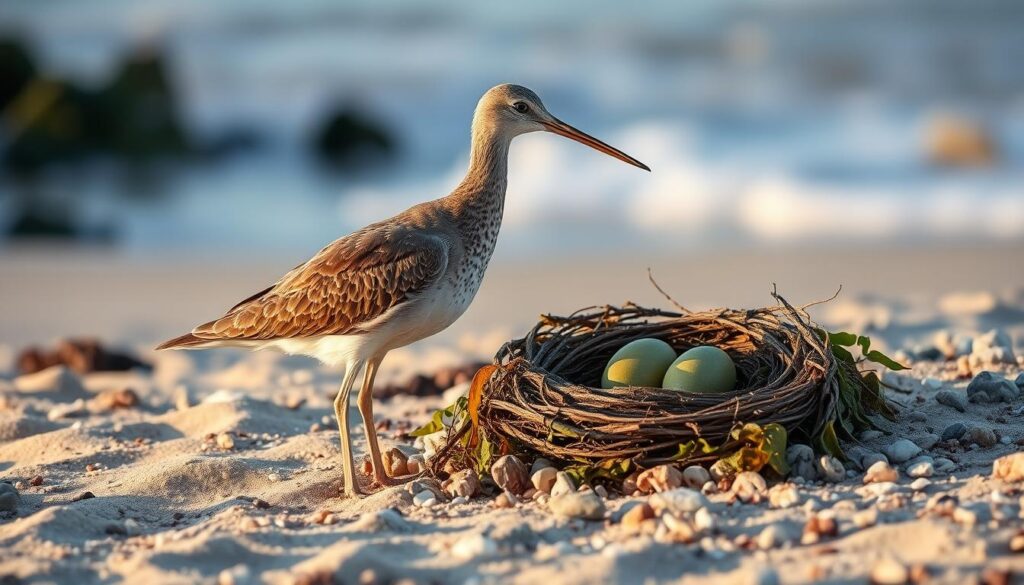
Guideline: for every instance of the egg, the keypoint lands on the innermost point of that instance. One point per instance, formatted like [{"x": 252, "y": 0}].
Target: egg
[
  {"x": 704, "y": 369},
  {"x": 638, "y": 363}
]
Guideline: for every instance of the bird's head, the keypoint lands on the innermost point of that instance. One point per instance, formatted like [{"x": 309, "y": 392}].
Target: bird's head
[{"x": 511, "y": 110}]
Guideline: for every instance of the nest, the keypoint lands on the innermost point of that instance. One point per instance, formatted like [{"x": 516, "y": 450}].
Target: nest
[{"x": 544, "y": 396}]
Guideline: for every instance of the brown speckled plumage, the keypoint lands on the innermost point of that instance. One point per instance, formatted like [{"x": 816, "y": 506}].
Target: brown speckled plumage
[{"x": 396, "y": 281}]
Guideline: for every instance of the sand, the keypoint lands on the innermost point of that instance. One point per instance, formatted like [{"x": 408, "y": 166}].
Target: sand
[{"x": 149, "y": 494}]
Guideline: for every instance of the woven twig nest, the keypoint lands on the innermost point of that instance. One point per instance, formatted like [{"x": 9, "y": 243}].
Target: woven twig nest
[{"x": 544, "y": 398}]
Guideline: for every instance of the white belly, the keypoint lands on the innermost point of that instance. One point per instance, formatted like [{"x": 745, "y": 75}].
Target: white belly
[{"x": 416, "y": 319}]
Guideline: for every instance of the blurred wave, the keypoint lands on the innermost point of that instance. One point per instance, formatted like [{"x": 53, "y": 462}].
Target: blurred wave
[{"x": 764, "y": 122}]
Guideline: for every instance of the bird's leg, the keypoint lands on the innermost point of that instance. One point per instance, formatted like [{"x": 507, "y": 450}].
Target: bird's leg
[
  {"x": 365, "y": 401},
  {"x": 341, "y": 412}
]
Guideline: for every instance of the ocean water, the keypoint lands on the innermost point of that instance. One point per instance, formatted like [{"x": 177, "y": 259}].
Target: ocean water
[{"x": 765, "y": 123}]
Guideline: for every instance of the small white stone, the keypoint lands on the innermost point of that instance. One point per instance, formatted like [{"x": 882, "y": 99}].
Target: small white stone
[
  {"x": 563, "y": 484},
  {"x": 474, "y": 546},
  {"x": 880, "y": 472},
  {"x": 424, "y": 499},
  {"x": 749, "y": 487},
  {"x": 901, "y": 450},
  {"x": 544, "y": 479},
  {"x": 678, "y": 501},
  {"x": 703, "y": 520},
  {"x": 920, "y": 484},
  {"x": 921, "y": 469},
  {"x": 783, "y": 495},
  {"x": 889, "y": 571}
]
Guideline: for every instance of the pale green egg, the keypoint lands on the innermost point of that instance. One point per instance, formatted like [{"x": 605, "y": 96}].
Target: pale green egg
[
  {"x": 704, "y": 369},
  {"x": 638, "y": 363}
]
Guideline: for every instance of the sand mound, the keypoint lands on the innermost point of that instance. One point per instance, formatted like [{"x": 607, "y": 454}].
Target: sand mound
[{"x": 14, "y": 427}]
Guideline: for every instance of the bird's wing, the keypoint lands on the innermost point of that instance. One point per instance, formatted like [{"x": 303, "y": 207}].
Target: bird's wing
[{"x": 344, "y": 287}]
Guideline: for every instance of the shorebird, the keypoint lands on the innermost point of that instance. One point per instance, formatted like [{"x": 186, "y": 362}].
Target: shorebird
[{"x": 396, "y": 281}]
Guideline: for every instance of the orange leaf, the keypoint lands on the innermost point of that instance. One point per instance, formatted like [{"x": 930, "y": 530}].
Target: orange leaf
[{"x": 476, "y": 393}]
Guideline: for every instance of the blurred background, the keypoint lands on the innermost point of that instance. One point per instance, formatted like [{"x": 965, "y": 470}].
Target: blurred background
[{"x": 160, "y": 160}]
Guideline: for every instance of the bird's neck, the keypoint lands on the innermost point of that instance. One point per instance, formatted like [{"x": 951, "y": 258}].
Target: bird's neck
[{"x": 482, "y": 191}]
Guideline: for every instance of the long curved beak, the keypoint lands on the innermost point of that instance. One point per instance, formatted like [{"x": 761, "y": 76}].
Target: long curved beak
[{"x": 562, "y": 129}]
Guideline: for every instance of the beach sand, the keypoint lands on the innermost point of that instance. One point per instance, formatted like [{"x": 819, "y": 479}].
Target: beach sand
[{"x": 154, "y": 493}]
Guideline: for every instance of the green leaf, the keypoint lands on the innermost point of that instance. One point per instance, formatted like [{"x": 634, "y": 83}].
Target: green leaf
[
  {"x": 484, "y": 455},
  {"x": 431, "y": 427},
  {"x": 865, "y": 343},
  {"x": 830, "y": 443},
  {"x": 843, "y": 354},
  {"x": 775, "y": 445},
  {"x": 842, "y": 338},
  {"x": 882, "y": 359},
  {"x": 455, "y": 414},
  {"x": 689, "y": 448}
]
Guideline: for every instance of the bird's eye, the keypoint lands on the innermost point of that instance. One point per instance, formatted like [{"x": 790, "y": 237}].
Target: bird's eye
[{"x": 521, "y": 107}]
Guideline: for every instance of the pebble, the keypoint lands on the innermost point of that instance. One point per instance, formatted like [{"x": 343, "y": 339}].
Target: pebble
[
  {"x": 870, "y": 434},
  {"x": 585, "y": 505},
  {"x": 474, "y": 546},
  {"x": 862, "y": 458},
  {"x": 8, "y": 497},
  {"x": 865, "y": 518},
  {"x": 505, "y": 500},
  {"x": 1006, "y": 468},
  {"x": 927, "y": 441},
  {"x": 464, "y": 483},
  {"x": 511, "y": 474},
  {"x": 563, "y": 485},
  {"x": 981, "y": 436},
  {"x": 544, "y": 479},
  {"x": 831, "y": 469},
  {"x": 1017, "y": 543},
  {"x": 954, "y": 431},
  {"x": 775, "y": 535},
  {"x": 659, "y": 479},
  {"x": 1019, "y": 382},
  {"x": 424, "y": 499},
  {"x": 991, "y": 387},
  {"x": 943, "y": 465},
  {"x": 634, "y": 518},
  {"x": 225, "y": 441},
  {"x": 920, "y": 484},
  {"x": 953, "y": 399},
  {"x": 678, "y": 501},
  {"x": 889, "y": 571},
  {"x": 749, "y": 487},
  {"x": 540, "y": 463},
  {"x": 901, "y": 450},
  {"x": 395, "y": 462},
  {"x": 822, "y": 524},
  {"x": 881, "y": 472},
  {"x": 704, "y": 520},
  {"x": 416, "y": 464},
  {"x": 801, "y": 462},
  {"x": 380, "y": 520},
  {"x": 921, "y": 469},
  {"x": 695, "y": 477},
  {"x": 783, "y": 495},
  {"x": 994, "y": 347}
]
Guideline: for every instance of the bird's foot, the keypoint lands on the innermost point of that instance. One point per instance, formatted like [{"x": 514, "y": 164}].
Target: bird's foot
[
  {"x": 354, "y": 492},
  {"x": 387, "y": 481}
]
